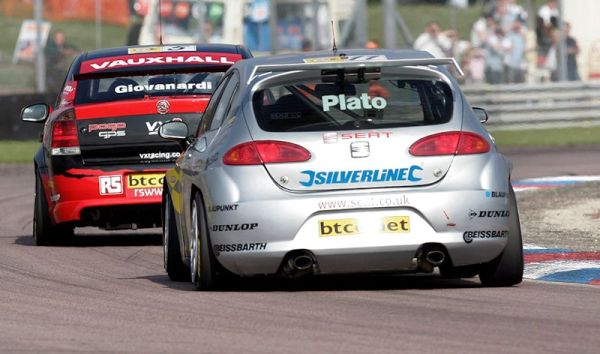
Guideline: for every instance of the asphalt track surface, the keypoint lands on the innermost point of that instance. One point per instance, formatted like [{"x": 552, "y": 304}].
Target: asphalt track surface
[{"x": 109, "y": 293}]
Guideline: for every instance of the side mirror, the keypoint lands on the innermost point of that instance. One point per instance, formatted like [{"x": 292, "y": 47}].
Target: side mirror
[
  {"x": 481, "y": 114},
  {"x": 36, "y": 113},
  {"x": 177, "y": 131}
]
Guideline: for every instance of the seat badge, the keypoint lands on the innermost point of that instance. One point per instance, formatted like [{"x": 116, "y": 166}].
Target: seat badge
[
  {"x": 360, "y": 149},
  {"x": 330, "y": 137},
  {"x": 162, "y": 106}
]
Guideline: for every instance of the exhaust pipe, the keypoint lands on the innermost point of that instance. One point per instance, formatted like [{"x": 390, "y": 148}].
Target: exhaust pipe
[
  {"x": 298, "y": 264},
  {"x": 435, "y": 257},
  {"x": 301, "y": 262},
  {"x": 429, "y": 257}
]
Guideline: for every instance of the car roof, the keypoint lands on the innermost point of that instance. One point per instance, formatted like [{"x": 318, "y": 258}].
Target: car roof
[
  {"x": 318, "y": 59},
  {"x": 292, "y": 58},
  {"x": 126, "y": 50}
]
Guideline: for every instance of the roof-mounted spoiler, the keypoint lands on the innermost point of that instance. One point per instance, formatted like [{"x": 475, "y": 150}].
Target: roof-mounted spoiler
[{"x": 350, "y": 62}]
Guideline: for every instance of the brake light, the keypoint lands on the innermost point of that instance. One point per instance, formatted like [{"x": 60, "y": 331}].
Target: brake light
[
  {"x": 450, "y": 143},
  {"x": 265, "y": 151},
  {"x": 67, "y": 96},
  {"x": 65, "y": 140}
]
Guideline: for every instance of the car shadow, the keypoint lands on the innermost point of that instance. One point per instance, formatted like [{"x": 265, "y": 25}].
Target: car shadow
[
  {"x": 107, "y": 239},
  {"x": 327, "y": 283}
]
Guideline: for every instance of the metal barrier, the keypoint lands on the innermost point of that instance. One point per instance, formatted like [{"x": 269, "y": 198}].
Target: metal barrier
[
  {"x": 11, "y": 126},
  {"x": 538, "y": 105}
]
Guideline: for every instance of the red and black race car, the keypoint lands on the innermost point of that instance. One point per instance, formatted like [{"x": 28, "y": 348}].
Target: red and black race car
[{"x": 101, "y": 162}]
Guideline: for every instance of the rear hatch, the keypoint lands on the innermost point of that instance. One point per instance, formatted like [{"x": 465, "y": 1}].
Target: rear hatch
[
  {"x": 122, "y": 96},
  {"x": 359, "y": 132},
  {"x": 118, "y": 117}
]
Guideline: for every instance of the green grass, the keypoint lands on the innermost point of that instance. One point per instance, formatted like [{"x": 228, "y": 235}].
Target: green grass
[
  {"x": 548, "y": 137},
  {"x": 12, "y": 151}
]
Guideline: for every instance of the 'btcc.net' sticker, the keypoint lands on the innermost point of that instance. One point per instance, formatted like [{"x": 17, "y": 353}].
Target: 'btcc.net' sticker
[
  {"x": 351, "y": 226},
  {"x": 145, "y": 185}
]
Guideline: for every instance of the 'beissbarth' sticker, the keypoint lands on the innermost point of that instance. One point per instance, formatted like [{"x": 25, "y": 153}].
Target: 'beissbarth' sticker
[{"x": 175, "y": 58}]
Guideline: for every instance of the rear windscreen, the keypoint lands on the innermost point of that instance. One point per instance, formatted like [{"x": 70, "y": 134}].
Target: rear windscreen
[
  {"x": 108, "y": 89},
  {"x": 384, "y": 102}
]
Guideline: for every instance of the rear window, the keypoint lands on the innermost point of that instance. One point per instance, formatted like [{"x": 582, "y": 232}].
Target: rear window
[
  {"x": 108, "y": 89},
  {"x": 385, "y": 102}
]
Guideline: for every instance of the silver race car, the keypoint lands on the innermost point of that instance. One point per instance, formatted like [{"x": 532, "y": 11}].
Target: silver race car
[{"x": 358, "y": 161}]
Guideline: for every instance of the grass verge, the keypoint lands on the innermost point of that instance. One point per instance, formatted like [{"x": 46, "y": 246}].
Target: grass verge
[
  {"x": 12, "y": 151},
  {"x": 555, "y": 137}
]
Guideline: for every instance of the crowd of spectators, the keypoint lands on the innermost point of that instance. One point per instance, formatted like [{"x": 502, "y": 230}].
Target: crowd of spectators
[{"x": 506, "y": 45}]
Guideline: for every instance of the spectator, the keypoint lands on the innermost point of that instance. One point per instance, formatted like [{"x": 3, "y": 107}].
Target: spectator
[
  {"x": 546, "y": 23},
  {"x": 306, "y": 45},
  {"x": 516, "y": 11},
  {"x": 572, "y": 52},
  {"x": 481, "y": 29},
  {"x": 372, "y": 44},
  {"x": 502, "y": 16},
  {"x": 473, "y": 64},
  {"x": 551, "y": 63},
  {"x": 497, "y": 45},
  {"x": 549, "y": 14},
  {"x": 515, "y": 56},
  {"x": 505, "y": 12},
  {"x": 434, "y": 41},
  {"x": 58, "y": 57}
]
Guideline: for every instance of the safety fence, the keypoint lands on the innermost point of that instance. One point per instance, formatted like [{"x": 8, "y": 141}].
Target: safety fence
[{"x": 538, "y": 105}]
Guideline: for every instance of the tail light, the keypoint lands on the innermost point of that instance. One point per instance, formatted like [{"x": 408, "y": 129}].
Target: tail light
[
  {"x": 64, "y": 135},
  {"x": 265, "y": 151},
  {"x": 450, "y": 143}
]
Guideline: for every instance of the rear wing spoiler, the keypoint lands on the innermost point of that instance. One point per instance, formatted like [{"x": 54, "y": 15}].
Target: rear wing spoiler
[{"x": 352, "y": 62}]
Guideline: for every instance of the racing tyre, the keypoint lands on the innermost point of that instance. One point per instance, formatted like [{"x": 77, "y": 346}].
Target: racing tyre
[
  {"x": 44, "y": 232},
  {"x": 202, "y": 260},
  {"x": 507, "y": 269},
  {"x": 174, "y": 266}
]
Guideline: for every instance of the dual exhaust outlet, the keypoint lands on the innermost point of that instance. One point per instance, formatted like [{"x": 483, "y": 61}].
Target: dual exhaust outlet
[
  {"x": 430, "y": 257},
  {"x": 303, "y": 263},
  {"x": 299, "y": 264}
]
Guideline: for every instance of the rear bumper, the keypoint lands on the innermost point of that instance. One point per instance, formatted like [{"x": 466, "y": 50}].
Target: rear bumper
[
  {"x": 342, "y": 260},
  {"x": 100, "y": 197},
  {"x": 259, "y": 243}
]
